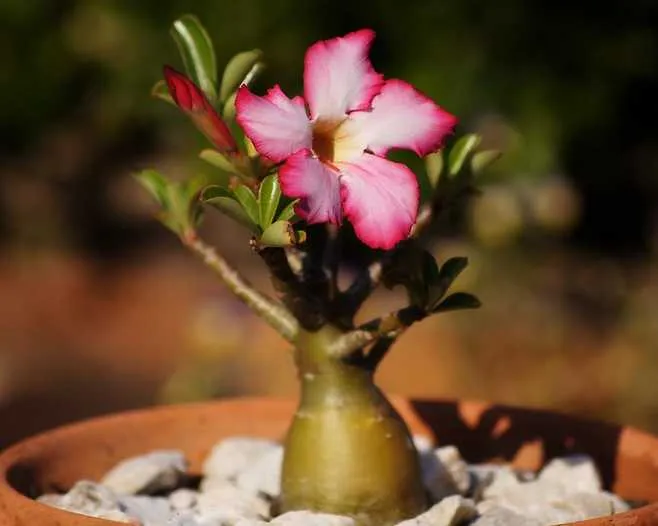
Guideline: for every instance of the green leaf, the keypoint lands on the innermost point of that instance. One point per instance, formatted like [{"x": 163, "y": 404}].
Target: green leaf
[
  {"x": 237, "y": 165},
  {"x": 180, "y": 207},
  {"x": 269, "y": 195},
  {"x": 250, "y": 148},
  {"x": 194, "y": 210},
  {"x": 253, "y": 73},
  {"x": 449, "y": 272},
  {"x": 451, "y": 269},
  {"x": 428, "y": 268},
  {"x": 237, "y": 70},
  {"x": 482, "y": 160},
  {"x": 458, "y": 301},
  {"x": 422, "y": 272},
  {"x": 434, "y": 167},
  {"x": 155, "y": 183},
  {"x": 224, "y": 201},
  {"x": 213, "y": 191},
  {"x": 197, "y": 52},
  {"x": 161, "y": 91},
  {"x": 228, "y": 111},
  {"x": 249, "y": 203},
  {"x": 460, "y": 151},
  {"x": 183, "y": 211},
  {"x": 279, "y": 234},
  {"x": 288, "y": 212},
  {"x": 219, "y": 160},
  {"x": 415, "y": 269}
]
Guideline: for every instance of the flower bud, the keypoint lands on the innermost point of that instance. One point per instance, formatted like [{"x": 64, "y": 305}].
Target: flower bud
[{"x": 189, "y": 98}]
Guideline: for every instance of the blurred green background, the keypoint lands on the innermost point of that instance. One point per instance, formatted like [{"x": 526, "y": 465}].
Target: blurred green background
[{"x": 101, "y": 310}]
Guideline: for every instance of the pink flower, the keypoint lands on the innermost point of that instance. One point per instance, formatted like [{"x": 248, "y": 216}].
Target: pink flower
[
  {"x": 189, "y": 98},
  {"x": 334, "y": 156}
]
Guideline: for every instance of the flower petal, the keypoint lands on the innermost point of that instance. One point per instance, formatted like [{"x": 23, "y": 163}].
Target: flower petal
[
  {"x": 338, "y": 76},
  {"x": 277, "y": 125},
  {"x": 189, "y": 97},
  {"x": 304, "y": 176},
  {"x": 401, "y": 117},
  {"x": 380, "y": 198}
]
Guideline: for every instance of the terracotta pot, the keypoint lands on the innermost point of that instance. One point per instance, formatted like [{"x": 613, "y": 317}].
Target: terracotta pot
[{"x": 627, "y": 458}]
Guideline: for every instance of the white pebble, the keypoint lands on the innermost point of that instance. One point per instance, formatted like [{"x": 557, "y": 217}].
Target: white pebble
[
  {"x": 445, "y": 472},
  {"x": 449, "y": 512},
  {"x": 581, "y": 506},
  {"x": 117, "y": 516},
  {"x": 577, "y": 473},
  {"x": 542, "y": 512},
  {"x": 482, "y": 476},
  {"x": 530, "y": 499},
  {"x": 90, "y": 495},
  {"x": 183, "y": 499},
  {"x": 89, "y": 498},
  {"x": 51, "y": 499},
  {"x": 503, "y": 480},
  {"x": 230, "y": 504},
  {"x": 242, "y": 478},
  {"x": 504, "y": 517},
  {"x": 551, "y": 502},
  {"x": 423, "y": 444},
  {"x": 308, "y": 518},
  {"x": 184, "y": 518},
  {"x": 232, "y": 455},
  {"x": 150, "y": 511},
  {"x": 149, "y": 473},
  {"x": 264, "y": 474}
]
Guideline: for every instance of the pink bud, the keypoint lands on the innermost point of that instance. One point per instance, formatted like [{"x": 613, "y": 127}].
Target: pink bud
[{"x": 189, "y": 98}]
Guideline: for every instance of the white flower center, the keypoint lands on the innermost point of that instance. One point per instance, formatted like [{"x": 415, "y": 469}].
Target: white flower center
[{"x": 333, "y": 143}]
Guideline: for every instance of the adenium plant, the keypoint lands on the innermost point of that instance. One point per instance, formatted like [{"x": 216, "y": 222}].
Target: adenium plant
[{"x": 284, "y": 163}]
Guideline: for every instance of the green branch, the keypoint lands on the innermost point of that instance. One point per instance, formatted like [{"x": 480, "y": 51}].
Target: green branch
[
  {"x": 303, "y": 295},
  {"x": 369, "y": 278},
  {"x": 378, "y": 352},
  {"x": 423, "y": 220},
  {"x": 331, "y": 259},
  {"x": 387, "y": 327},
  {"x": 349, "y": 302},
  {"x": 275, "y": 314}
]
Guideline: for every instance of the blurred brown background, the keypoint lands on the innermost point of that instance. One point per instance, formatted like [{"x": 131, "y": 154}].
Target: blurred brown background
[{"x": 101, "y": 310}]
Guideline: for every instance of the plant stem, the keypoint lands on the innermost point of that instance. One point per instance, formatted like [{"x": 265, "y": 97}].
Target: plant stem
[
  {"x": 331, "y": 259},
  {"x": 389, "y": 326},
  {"x": 350, "y": 342},
  {"x": 275, "y": 314},
  {"x": 368, "y": 280},
  {"x": 378, "y": 352},
  {"x": 423, "y": 220},
  {"x": 349, "y": 302},
  {"x": 302, "y": 293}
]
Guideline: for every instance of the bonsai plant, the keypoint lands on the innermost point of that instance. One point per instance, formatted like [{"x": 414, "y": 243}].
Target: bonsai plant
[
  {"x": 302, "y": 175},
  {"x": 283, "y": 164}
]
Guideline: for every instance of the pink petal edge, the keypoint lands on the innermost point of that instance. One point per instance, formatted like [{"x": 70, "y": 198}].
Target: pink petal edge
[
  {"x": 402, "y": 117},
  {"x": 338, "y": 76},
  {"x": 380, "y": 198},
  {"x": 304, "y": 176},
  {"x": 278, "y": 126}
]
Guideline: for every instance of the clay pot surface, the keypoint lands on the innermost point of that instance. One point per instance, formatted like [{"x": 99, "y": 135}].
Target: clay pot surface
[{"x": 55, "y": 460}]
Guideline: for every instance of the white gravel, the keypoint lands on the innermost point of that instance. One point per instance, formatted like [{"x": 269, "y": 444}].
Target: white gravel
[{"x": 241, "y": 481}]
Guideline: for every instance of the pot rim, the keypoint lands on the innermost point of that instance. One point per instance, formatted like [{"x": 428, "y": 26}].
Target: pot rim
[{"x": 13, "y": 455}]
